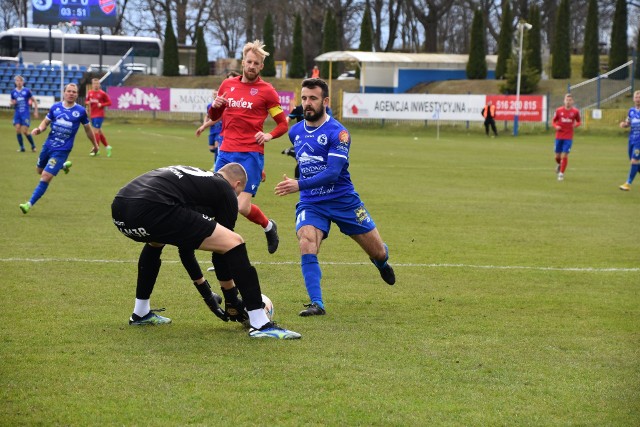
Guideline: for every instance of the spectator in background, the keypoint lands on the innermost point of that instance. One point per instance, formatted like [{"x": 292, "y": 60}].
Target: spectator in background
[
  {"x": 489, "y": 114},
  {"x": 315, "y": 73},
  {"x": 22, "y": 100},
  {"x": 97, "y": 101}
]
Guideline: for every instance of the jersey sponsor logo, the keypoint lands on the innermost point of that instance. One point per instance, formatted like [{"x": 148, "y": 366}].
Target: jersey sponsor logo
[
  {"x": 239, "y": 103},
  {"x": 343, "y": 137},
  {"x": 322, "y": 191}
]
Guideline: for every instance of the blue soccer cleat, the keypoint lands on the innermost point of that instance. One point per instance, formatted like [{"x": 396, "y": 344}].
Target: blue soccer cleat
[
  {"x": 151, "y": 318},
  {"x": 271, "y": 330}
]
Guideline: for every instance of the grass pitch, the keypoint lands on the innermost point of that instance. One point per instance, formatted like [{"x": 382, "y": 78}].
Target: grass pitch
[{"x": 517, "y": 300}]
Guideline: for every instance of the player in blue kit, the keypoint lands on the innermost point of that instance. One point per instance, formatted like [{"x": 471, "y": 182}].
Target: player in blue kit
[
  {"x": 215, "y": 132},
  {"x": 65, "y": 118},
  {"x": 633, "y": 121},
  {"x": 326, "y": 193},
  {"x": 22, "y": 100}
]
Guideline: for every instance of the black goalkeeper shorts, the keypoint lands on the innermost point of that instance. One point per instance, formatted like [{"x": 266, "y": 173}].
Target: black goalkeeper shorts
[{"x": 146, "y": 221}]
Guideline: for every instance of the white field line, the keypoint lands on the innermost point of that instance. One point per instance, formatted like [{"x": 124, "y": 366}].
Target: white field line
[{"x": 471, "y": 266}]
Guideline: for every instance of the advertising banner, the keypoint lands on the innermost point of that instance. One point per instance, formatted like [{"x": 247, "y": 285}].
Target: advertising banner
[
  {"x": 140, "y": 98},
  {"x": 173, "y": 100},
  {"x": 532, "y": 107},
  {"x": 190, "y": 100},
  {"x": 413, "y": 106}
]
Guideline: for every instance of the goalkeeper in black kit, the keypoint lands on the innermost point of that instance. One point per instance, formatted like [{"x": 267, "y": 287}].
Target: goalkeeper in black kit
[{"x": 193, "y": 209}]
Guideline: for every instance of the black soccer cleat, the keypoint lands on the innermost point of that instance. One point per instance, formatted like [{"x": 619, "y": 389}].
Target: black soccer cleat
[
  {"x": 272, "y": 237},
  {"x": 312, "y": 309},
  {"x": 387, "y": 274}
]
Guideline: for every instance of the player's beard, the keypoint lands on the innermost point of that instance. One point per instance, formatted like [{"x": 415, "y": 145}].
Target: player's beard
[
  {"x": 312, "y": 115},
  {"x": 251, "y": 75}
]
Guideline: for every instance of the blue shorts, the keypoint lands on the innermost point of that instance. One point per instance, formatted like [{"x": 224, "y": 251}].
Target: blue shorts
[
  {"x": 348, "y": 212},
  {"x": 252, "y": 162},
  {"x": 22, "y": 119},
  {"x": 97, "y": 122},
  {"x": 215, "y": 137},
  {"x": 563, "y": 145},
  {"x": 51, "y": 161},
  {"x": 634, "y": 151}
]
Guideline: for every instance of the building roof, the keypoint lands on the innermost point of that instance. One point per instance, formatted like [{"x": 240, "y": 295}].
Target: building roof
[{"x": 397, "y": 57}]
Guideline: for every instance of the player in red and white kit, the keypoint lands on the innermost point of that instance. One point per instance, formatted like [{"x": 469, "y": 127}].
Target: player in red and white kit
[
  {"x": 244, "y": 103},
  {"x": 565, "y": 119},
  {"x": 96, "y": 101}
]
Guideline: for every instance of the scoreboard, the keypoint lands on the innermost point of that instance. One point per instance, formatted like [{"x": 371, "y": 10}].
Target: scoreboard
[{"x": 92, "y": 13}]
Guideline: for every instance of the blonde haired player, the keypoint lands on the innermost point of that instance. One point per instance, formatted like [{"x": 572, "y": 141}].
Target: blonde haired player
[{"x": 244, "y": 102}]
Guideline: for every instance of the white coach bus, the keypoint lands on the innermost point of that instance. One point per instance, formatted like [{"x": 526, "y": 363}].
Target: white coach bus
[{"x": 81, "y": 49}]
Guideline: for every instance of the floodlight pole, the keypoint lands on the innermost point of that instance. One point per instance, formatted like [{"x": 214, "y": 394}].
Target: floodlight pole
[
  {"x": 62, "y": 26},
  {"x": 521, "y": 26}
]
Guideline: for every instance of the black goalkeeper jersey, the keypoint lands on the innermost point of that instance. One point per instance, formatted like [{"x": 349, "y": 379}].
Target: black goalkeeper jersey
[{"x": 198, "y": 189}]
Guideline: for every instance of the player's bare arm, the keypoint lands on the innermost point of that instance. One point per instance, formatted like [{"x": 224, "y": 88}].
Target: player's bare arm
[
  {"x": 89, "y": 131},
  {"x": 41, "y": 127}
]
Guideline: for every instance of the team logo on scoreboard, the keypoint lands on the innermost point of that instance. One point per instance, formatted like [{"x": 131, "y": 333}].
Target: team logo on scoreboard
[{"x": 107, "y": 6}]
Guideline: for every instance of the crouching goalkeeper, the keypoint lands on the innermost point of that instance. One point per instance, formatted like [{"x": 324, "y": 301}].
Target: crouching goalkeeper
[{"x": 193, "y": 209}]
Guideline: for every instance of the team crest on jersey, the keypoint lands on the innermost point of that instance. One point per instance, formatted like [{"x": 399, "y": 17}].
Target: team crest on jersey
[
  {"x": 322, "y": 139},
  {"x": 361, "y": 215},
  {"x": 253, "y": 91},
  {"x": 344, "y": 137},
  {"x": 75, "y": 114}
]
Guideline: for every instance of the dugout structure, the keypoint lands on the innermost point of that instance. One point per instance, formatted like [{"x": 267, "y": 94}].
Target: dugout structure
[{"x": 390, "y": 72}]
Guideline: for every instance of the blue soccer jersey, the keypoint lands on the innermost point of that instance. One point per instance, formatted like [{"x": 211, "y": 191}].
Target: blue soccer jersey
[
  {"x": 634, "y": 121},
  {"x": 64, "y": 125},
  {"x": 22, "y": 108},
  {"x": 314, "y": 149}
]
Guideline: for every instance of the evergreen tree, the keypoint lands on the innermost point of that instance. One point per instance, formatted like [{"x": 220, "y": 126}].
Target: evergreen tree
[
  {"x": 269, "y": 69},
  {"x": 561, "y": 53},
  {"x": 591, "y": 54},
  {"x": 329, "y": 44},
  {"x": 297, "y": 68},
  {"x": 618, "y": 51},
  {"x": 202, "y": 55},
  {"x": 477, "y": 65},
  {"x": 529, "y": 77},
  {"x": 366, "y": 34},
  {"x": 505, "y": 40},
  {"x": 366, "y": 31},
  {"x": 533, "y": 46},
  {"x": 170, "y": 59}
]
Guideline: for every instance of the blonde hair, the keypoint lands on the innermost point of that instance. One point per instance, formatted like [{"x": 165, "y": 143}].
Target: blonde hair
[{"x": 256, "y": 47}]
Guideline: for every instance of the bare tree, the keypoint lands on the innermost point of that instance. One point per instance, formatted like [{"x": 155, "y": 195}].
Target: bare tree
[{"x": 428, "y": 13}]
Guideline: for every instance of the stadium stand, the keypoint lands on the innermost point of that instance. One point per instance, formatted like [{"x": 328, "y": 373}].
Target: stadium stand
[{"x": 42, "y": 79}]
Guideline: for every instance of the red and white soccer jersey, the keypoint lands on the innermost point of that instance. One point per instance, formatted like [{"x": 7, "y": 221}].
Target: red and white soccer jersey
[
  {"x": 95, "y": 97},
  {"x": 248, "y": 105},
  {"x": 566, "y": 118}
]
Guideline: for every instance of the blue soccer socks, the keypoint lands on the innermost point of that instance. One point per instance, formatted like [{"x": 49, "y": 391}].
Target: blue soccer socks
[{"x": 312, "y": 275}]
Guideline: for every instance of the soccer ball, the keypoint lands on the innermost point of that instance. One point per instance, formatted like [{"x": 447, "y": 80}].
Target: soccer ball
[{"x": 268, "y": 306}]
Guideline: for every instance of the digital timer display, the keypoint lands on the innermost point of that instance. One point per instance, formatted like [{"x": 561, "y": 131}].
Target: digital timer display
[{"x": 92, "y": 13}]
